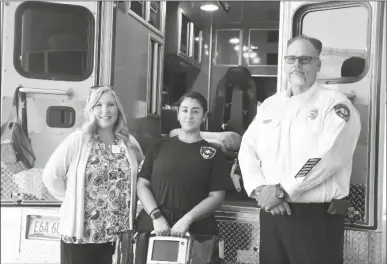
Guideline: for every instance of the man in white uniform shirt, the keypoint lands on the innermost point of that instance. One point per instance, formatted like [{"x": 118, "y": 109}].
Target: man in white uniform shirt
[{"x": 296, "y": 161}]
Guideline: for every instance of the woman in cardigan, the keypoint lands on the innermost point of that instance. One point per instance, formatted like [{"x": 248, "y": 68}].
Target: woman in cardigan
[{"x": 91, "y": 171}]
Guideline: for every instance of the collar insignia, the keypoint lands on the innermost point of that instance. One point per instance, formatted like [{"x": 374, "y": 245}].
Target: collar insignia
[{"x": 313, "y": 112}]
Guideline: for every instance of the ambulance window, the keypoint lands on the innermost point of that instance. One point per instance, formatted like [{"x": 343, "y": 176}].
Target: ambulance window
[
  {"x": 138, "y": 7},
  {"x": 228, "y": 47},
  {"x": 197, "y": 46},
  {"x": 155, "y": 14},
  {"x": 184, "y": 36},
  {"x": 344, "y": 32},
  {"x": 54, "y": 41},
  {"x": 263, "y": 47}
]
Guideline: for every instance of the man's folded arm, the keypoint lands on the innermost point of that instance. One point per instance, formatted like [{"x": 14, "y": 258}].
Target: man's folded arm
[
  {"x": 336, "y": 149},
  {"x": 249, "y": 161}
]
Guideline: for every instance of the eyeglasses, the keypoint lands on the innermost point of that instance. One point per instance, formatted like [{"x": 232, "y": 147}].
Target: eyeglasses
[
  {"x": 92, "y": 88},
  {"x": 302, "y": 59}
]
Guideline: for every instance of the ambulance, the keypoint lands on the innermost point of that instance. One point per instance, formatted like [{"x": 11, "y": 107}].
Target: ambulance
[{"x": 153, "y": 52}]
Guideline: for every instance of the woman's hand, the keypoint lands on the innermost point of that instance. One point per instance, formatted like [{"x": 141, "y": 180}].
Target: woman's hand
[
  {"x": 161, "y": 227},
  {"x": 181, "y": 227}
]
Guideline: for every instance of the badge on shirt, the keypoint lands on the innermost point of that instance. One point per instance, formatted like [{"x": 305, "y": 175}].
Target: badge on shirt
[
  {"x": 267, "y": 121},
  {"x": 313, "y": 112},
  {"x": 342, "y": 111},
  {"x": 207, "y": 152},
  {"x": 116, "y": 149}
]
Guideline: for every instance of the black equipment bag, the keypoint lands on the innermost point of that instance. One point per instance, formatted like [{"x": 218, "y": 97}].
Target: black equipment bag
[{"x": 16, "y": 149}]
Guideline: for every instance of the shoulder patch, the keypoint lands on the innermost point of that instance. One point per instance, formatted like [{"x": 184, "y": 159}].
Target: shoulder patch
[
  {"x": 342, "y": 111},
  {"x": 207, "y": 152}
]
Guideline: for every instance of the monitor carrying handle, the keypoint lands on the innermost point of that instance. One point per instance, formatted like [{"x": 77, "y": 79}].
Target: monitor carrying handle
[{"x": 187, "y": 234}]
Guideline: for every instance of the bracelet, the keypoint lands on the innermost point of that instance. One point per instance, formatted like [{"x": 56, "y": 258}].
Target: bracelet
[{"x": 151, "y": 212}]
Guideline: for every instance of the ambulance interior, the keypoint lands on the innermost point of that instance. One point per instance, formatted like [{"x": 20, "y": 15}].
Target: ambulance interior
[{"x": 242, "y": 40}]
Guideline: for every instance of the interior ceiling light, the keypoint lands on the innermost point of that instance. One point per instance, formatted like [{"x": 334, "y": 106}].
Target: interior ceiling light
[
  {"x": 234, "y": 40},
  {"x": 256, "y": 60},
  {"x": 253, "y": 54},
  {"x": 209, "y": 7}
]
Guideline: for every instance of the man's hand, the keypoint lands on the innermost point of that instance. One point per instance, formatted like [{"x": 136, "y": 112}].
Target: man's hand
[
  {"x": 161, "y": 227},
  {"x": 257, "y": 191},
  {"x": 267, "y": 198},
  {"x": 181, "y": 227},
  {"x": 281, "y": 209}
]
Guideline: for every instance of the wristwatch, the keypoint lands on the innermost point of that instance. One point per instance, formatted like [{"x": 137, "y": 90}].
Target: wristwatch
[
  {"x": 279, "y": 192},
  {"x": 155, "y": 215}
]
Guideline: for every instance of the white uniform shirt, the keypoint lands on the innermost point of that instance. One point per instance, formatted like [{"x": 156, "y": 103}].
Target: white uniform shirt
[{"x": 305, "y": 142}]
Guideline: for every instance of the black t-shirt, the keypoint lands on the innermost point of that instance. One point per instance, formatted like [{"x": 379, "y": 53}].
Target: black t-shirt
[{"x": 182, "y": 174}]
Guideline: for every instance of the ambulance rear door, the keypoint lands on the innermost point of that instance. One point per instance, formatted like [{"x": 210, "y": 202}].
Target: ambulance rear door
[
  {"x": 351, "y": 33},
  {"x": 49, "y": 51}
]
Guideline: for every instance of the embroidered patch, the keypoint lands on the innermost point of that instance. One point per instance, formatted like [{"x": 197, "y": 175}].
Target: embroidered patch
[
  {"x": 313, "y": 112},
  {"x": 207, "y": 152},
  {"x": 307, "y": 167},
  {"x": 267, "y": 121},
  {"x": 342, "y": 111}
]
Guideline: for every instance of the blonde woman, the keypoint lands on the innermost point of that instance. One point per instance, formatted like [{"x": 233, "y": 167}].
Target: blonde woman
[{"x": 91, "y": 172}]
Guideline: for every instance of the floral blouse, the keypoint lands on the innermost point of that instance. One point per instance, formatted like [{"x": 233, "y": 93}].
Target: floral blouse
[{"x": 107, "y": 195}]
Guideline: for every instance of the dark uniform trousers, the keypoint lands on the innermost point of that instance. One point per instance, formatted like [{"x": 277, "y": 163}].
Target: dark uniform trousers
[{"x": 310, "y": 235}]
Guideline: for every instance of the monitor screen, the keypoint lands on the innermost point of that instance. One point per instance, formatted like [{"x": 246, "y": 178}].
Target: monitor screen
[{"x": 164, "y": 250}]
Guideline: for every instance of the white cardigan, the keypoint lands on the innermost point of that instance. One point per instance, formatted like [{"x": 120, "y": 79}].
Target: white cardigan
[{"x": 64, "y": 176}]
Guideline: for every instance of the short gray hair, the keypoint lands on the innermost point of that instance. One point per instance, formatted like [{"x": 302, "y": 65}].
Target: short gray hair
[{"x": 317, "y": 44}]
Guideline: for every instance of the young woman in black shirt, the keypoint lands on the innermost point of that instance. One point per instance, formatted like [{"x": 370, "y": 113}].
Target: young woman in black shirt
[{"x": 184, "y": 178}]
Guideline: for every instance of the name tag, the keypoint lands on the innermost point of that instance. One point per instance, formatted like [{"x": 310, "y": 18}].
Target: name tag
[{"x": 116, "y": 149}]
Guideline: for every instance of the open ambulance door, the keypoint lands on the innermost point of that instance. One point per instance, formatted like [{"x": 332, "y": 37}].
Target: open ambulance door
[
  {"x": 137, "y": 68},
  {"x": 49, "y": 50},
  {"x": 352, "y": 36}
]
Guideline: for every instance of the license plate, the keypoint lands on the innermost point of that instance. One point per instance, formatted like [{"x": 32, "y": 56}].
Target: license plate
[{"x": 42, "y": 227}]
